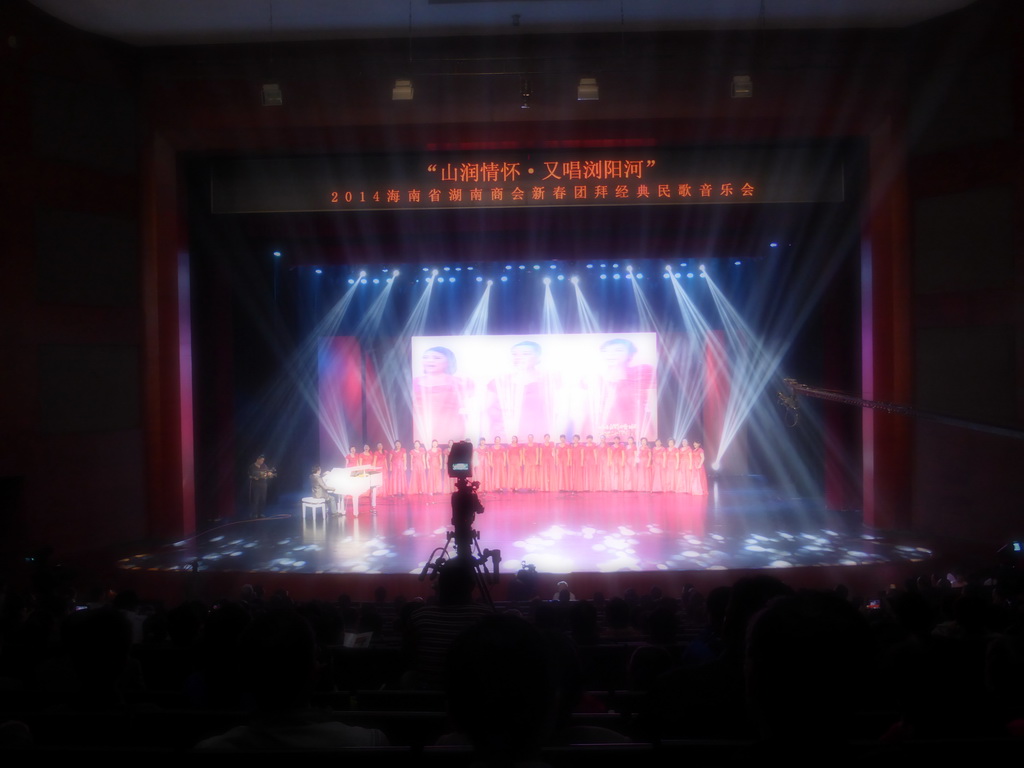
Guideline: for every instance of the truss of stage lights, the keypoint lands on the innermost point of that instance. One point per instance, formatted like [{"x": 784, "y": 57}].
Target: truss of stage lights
[
  {"x": 549, "y": 273},
  {"x": 491, "y": 274}
]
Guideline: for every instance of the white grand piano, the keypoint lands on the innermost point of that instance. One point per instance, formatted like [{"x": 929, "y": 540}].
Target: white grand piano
[{"x": 354, "y": 482}]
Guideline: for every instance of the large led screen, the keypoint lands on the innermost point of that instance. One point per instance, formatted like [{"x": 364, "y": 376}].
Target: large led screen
[{"x": 512, "y": 385}]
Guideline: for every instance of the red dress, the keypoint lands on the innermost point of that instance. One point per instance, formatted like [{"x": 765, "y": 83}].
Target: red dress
[
  {"x": 380, "y": 461},
  {"x": 434, "y": 469},
  {"x": 563, "y": 459},
  {"x": 658, "y": 462},
  {"x": 398, "y": 474},
  {"x": 548, "y": 467},
  {"x": 699, "y": 477},
  {"x": 672, "y": 470},
  {"x": 515, "y": 466},
  {"x": 629, "y": 468},
  {"x": 645, "y": 470},
  {"x": 499, "y": 466},
  {"x": 606, "y": 466},
  {"x": 532, "y": 466},
  {"x": 591, "y": 471},
  {"x": 578, "y": 478},
  {"x": 418, "y": 471},
  {"x": 482, "y": 460},
  {"x": 685, "y": 478}
]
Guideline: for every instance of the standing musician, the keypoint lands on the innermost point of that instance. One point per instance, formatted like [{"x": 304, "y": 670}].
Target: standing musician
[{"x": 259, "y": 473}]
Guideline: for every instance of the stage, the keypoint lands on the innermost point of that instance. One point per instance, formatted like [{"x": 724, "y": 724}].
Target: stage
[{"x": 742, "y": 524}]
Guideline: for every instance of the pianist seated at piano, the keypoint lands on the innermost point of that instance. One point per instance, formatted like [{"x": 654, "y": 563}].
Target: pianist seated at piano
[
  {"x": 321, "y": 491},
  {"x": 353, "y": 482}
]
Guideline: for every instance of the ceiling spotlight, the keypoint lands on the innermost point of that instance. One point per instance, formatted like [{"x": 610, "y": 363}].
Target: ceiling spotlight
[
  {"x": 376, "y": 281},
  {"x": 277, "y": 254},
  {"x": 574, "y": 280},
  {"x": 504, "y": 279},
  {"x": 318, "y": 271},
  {"x": 547, "y": 281},
  {"x": 742, "y": 87},
  {"x": 447, "y": 269},
  {"x": 434, "y": 272},
  {"x": 702, "y": 268},
  {"x": 490, "y": 282},
  {"x": 480, "y": 279},
  {"x": 403, "y": 91},
  {"x": 629, "y": 267},
  {"x": 362, "y": 273},
  {"x": 561, "y": 277},
  {"x": 395, "y": 273},
  {"x": 690, "y": 275},
  {"x": 271, "y": 95},
  {"x": 587, "y": 90},
  {"x": 525, "y": 93}
]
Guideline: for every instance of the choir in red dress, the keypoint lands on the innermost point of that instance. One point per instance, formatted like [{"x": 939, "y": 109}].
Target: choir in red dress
[{"x": 609, "y": 464}]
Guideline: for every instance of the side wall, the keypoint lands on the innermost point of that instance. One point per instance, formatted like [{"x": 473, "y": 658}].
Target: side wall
[
  {"x": 70, "y": 336},
  {"x": 967, "y": 191}
]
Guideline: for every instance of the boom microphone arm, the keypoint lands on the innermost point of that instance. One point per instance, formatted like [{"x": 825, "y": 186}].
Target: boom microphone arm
[{"x": 791, "y": 403}]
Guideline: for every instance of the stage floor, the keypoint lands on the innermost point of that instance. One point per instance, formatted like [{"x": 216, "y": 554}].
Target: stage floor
[{"x": 742, "y": 524}]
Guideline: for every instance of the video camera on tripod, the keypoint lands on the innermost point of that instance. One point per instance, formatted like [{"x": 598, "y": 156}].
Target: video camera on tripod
[{"x": 466, "y": 505}]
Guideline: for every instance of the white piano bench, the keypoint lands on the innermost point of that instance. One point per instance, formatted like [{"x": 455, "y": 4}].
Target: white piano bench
[{"x": 312, "y": 504}]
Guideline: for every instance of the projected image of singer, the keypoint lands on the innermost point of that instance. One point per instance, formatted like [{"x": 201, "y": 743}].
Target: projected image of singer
[
  {"x": 521, "y": 401},
  {"x": 439, "y": 397},
  {"x": 620, "y": 400}
]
